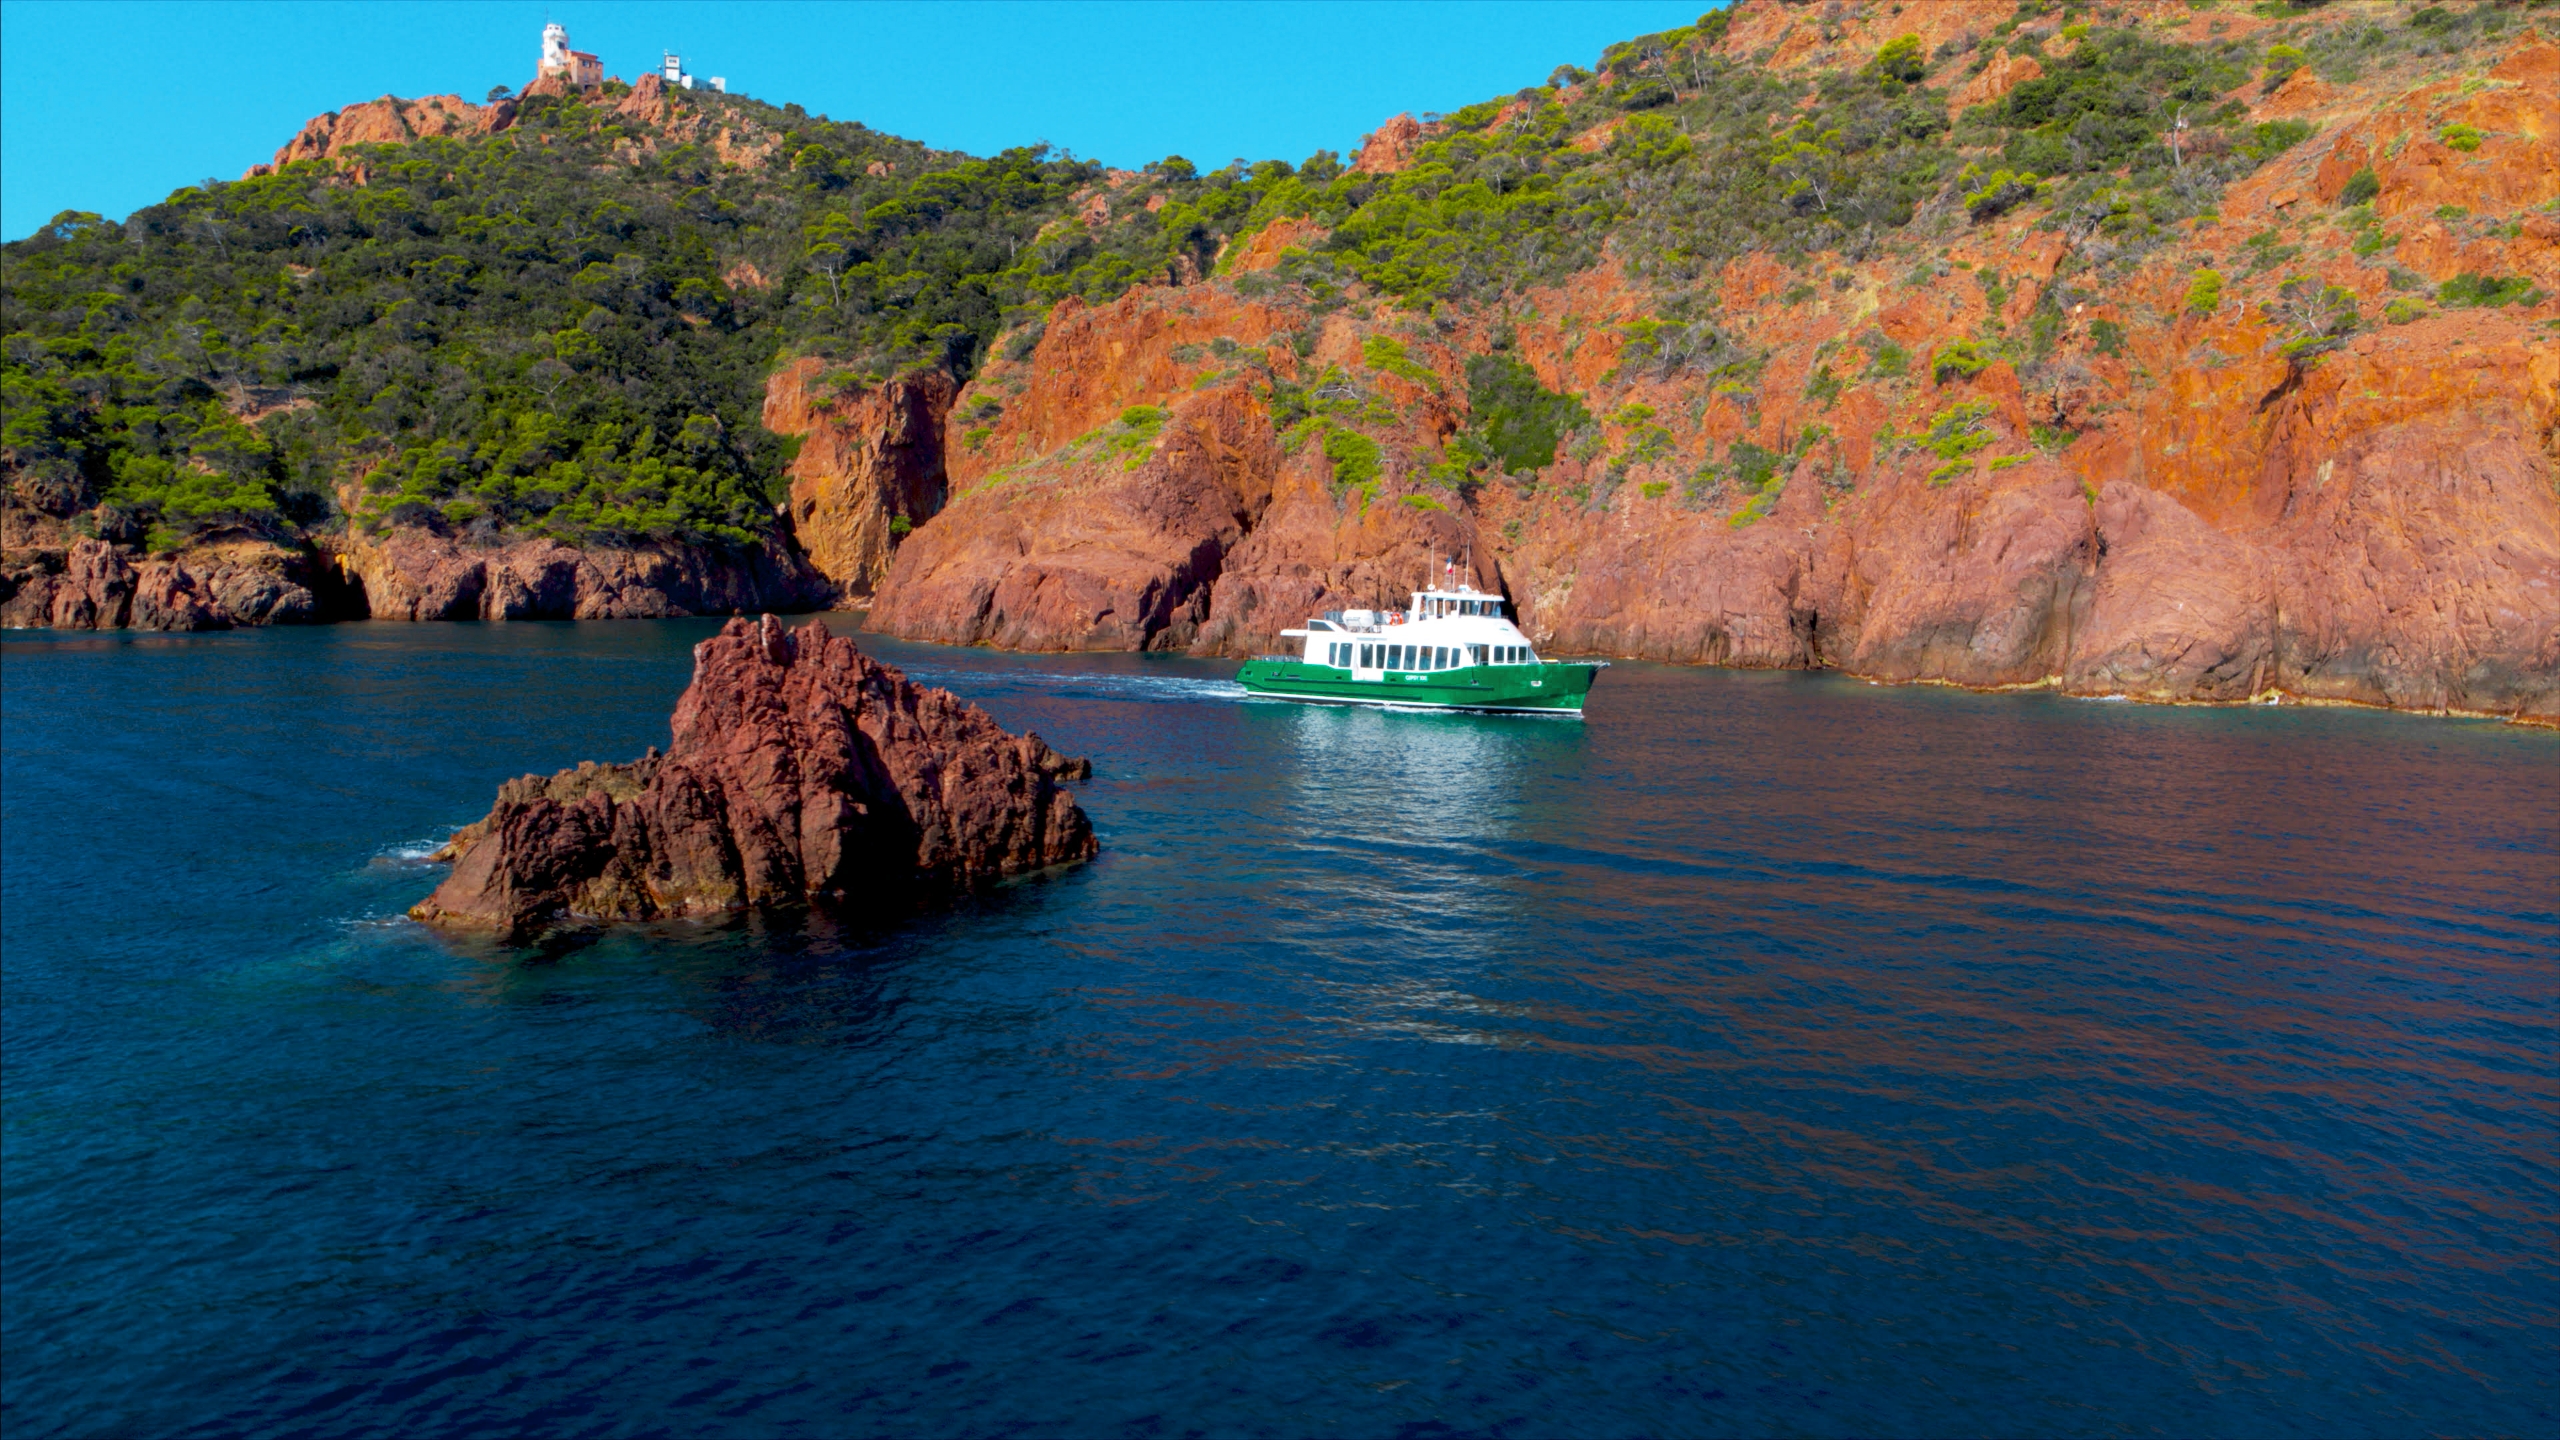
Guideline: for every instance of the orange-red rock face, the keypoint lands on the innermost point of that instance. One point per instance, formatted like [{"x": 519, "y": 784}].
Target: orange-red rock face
[
  {"x": 1389, "y": 148},
  {"x": 2204, "y": 518},
  {"x": 390, "y": 121},
  {"x": 870, "y": 464},
  {"x": 416, "y": 575},
  {"x": 801, "y": 772}
]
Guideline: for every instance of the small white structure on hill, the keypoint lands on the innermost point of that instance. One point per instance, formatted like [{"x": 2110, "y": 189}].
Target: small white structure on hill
[
  {"x": 575, "y": 66},
  {"x": 674, "y": 74}
]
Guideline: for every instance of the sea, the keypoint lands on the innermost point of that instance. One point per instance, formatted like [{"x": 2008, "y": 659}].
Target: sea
[{"x": 1760, "y": 1054}]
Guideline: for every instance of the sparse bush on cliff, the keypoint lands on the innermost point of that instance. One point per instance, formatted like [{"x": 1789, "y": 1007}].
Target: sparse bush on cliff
[
  {"x": 1387, "y": 355},
  {"x": 2204, "y": 292},
  {"x": 2319, "y": 316},
  {"x": 2361, "y": 187},
  {"x": 1959, "y": 360},
  {"x": 1997, "y": 193},
  {"x": 1955, "y": 435},
  {"x": 1516, "y": 420},
  {"x": 1355, "y": 457},
  {"x": 2475, "y": 291}
]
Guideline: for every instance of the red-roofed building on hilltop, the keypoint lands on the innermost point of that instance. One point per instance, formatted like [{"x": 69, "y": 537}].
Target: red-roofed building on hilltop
[{"x": 577, "y": 67}]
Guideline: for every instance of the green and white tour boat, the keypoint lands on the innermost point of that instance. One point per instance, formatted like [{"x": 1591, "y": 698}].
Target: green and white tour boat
[{"x": 1453, "y": 649}]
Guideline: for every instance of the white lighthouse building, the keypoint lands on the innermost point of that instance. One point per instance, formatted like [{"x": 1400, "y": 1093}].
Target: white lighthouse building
[{"x": 575, "y": 66}]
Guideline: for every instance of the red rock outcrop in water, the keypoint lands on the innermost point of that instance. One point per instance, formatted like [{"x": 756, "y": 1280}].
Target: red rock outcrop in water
[{"x": 801, "y": 772}]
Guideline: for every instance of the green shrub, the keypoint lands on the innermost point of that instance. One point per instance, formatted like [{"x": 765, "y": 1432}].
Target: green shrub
[
  {"x": 2472, "y": 291},
  {"x": 2401, "y": 310},
  {"x": 1822, "y": 387},
  {"x": 2106, "y": 337},
  {"x": 2450, "y": 213},
  {"x": 1900, "y": 61},
  {"x": 2361, "y": 187},
  {"x": 1387, "y": 354},
  {"x": 2204, "y": 292},
  {"x": 1888, "y": 361},
  {"x": 1133, "y": 436},
  {"x": 1958, "y": 359},
  {"x": 2274, "y": 138},
  {"x": 1955, "y": 435},
  {"x": 2460, "y": 137},
  {"x": 1518, "y": 421},
  {"x": 1999, "y": 192},
  {"x": 1354, "y": 457}
]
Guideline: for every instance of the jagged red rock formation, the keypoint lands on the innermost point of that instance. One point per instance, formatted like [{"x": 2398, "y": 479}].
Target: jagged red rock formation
[
  {"x": 1388, "y": 149},
  {"x": 869, "y": 459},
  {"x": 53, "y": 578},
  {"x": 389, "y": 121},
  {"x": 801, "y": 772}
]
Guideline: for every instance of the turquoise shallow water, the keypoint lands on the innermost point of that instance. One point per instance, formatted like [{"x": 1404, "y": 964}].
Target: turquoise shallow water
[{"x": 1766, "y": 1053}]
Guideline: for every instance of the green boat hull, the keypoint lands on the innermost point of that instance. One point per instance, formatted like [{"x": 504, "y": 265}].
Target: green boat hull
[{"x": 1543, "y": 688}]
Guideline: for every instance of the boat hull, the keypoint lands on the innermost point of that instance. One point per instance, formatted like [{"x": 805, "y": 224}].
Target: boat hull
[{"x": 1551, "y": 688}]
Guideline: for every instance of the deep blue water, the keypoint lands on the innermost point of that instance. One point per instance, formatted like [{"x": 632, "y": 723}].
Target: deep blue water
[{"x": 1767, "y": 1053}]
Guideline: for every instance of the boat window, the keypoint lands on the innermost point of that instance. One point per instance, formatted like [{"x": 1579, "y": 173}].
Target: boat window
[{"x": 1440, "y": 658}]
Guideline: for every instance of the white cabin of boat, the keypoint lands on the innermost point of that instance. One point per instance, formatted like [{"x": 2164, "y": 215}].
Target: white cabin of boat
[{"x": 1440, "y": 629}]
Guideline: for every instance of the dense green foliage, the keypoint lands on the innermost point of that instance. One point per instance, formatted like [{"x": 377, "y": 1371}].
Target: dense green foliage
[
  {"x": 555, "y": 328},
  {"x": 565, "y": 327}
]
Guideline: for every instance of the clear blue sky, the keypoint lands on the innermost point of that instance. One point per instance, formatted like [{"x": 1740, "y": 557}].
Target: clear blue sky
[{"x": 109, "y": 107}]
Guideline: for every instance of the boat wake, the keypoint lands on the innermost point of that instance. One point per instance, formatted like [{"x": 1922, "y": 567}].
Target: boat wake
[{"x": 1086, "y": 685}]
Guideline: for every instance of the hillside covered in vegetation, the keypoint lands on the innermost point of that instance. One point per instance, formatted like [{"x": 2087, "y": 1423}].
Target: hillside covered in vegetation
[{"x": 1791, "y": 255}]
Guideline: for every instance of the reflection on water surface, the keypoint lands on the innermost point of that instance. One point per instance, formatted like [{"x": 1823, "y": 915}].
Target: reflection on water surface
[{"x": 1761, "y": 1053}]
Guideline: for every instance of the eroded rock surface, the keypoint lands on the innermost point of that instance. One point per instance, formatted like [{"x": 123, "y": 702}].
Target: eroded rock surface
[
  {"x": 418, "y": 575},
  {"x": 801, "y": 772}
]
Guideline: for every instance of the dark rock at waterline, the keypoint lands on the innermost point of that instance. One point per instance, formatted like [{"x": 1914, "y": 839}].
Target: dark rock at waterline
[{"x": 801, "y": 772}]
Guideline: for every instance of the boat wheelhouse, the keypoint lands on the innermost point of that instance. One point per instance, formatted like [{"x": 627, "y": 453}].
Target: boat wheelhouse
[{"x": 1450, "y": 649}]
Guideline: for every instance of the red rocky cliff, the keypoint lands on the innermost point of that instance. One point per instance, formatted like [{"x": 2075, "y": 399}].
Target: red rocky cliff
[
  {"x": 801, "y": 772},
  {"x": 390, "y": 121},
  {"x": 870, "y": 464},
  {"x": 2168, "y": 505}
]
